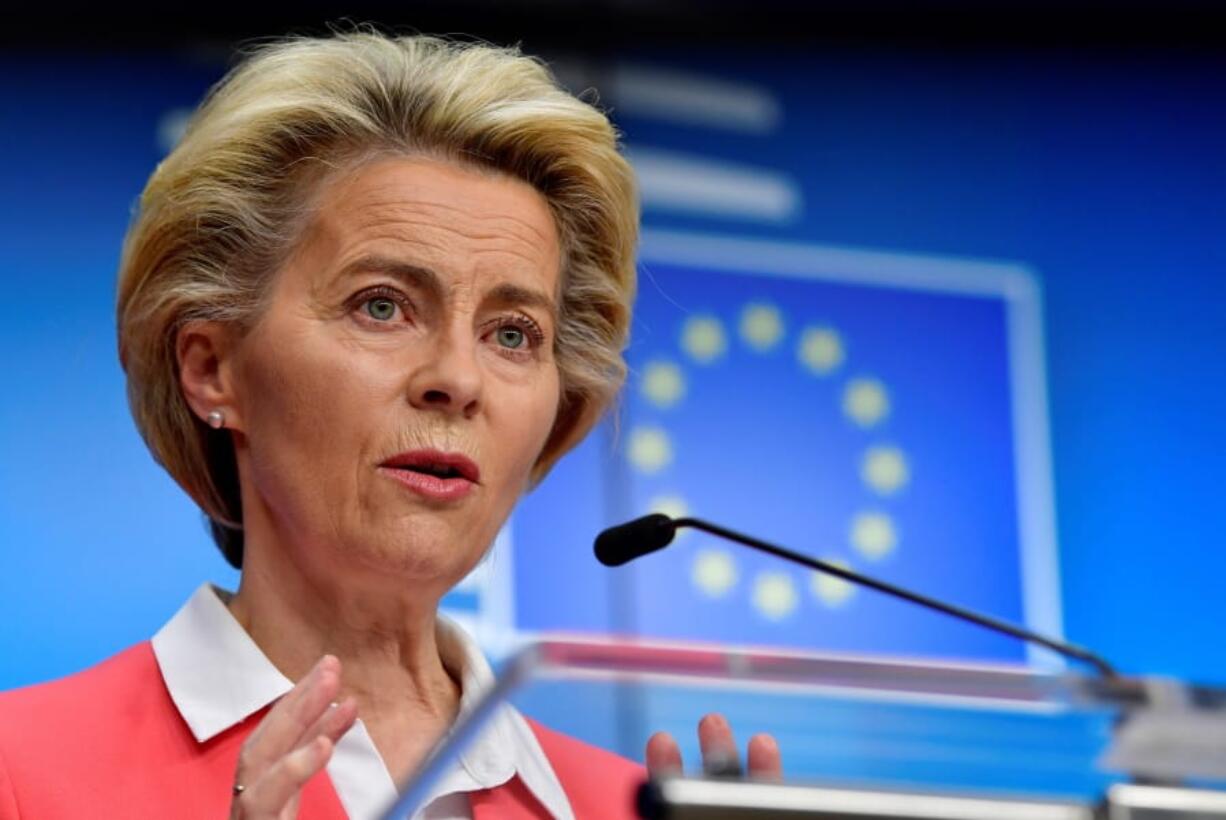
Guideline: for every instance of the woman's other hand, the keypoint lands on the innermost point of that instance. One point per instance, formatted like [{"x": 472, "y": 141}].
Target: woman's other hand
[
  {"x": 719, "y": 752},
  {"x": 291, "y": 744}
]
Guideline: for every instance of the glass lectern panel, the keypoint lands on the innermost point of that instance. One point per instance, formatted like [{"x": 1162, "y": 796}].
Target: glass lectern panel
[{"x": 861, "y": 724}]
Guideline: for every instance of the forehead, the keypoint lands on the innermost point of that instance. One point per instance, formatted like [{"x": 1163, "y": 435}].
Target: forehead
[{"x": 457, "y": 220}]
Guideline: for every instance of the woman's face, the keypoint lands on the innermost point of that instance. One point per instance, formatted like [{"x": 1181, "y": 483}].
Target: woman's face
[{"x": 410, "y": 334}]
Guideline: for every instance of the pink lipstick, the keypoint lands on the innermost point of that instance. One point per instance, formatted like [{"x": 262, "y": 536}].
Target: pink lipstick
[{"x": 434, "y": 474}]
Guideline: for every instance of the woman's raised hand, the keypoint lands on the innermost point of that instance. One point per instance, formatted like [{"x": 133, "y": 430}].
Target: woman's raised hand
[
  {"x": 291, "y": 744},
  {"x": 719, "y": 752}
]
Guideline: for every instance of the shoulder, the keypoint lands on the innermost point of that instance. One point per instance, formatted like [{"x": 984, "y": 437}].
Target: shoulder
[
  {"x": 92, "y": 738},
  {"x": 123, "y": 680},
  {"x": 597, "y": 782},
  {"x": 567, "y": 749}
]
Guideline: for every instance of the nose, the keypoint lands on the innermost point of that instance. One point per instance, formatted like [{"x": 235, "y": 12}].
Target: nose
[{"x": 449, "y": 380}]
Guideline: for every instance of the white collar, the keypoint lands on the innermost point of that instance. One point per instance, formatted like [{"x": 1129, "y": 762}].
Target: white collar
[{"x": 217, "y": 676}]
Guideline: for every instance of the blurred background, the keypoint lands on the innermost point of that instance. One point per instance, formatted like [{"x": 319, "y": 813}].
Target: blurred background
[{"x": 932, "y": 289}]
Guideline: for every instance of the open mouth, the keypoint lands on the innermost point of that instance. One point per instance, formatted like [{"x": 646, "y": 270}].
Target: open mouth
[
  {"x": 439, "y": 465},
  {"x": 439, "y": 471}
]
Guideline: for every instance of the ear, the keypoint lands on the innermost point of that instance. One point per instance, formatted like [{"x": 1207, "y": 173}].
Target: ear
[{"x": 204, "y": 351}]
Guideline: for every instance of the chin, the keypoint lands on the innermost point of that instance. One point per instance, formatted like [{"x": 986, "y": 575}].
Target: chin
[{"x": 428, "y": 560}]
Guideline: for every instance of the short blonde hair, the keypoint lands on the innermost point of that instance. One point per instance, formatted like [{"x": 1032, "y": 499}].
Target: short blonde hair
[{"x": 224, "y": 209}]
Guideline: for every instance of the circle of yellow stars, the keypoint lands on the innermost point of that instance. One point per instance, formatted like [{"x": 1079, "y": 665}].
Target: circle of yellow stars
[{"x": 820, "y": 350}]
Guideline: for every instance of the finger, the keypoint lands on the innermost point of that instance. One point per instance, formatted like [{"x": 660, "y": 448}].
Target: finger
[
  {"x": 282, "y": 728},
  {"x": 336, "y": 720},
  {"x": 270, "y": 795},
  {"x": 765, "y": 762},
  {"x": 719, "y": 752},
  {"x": 663, "y": 755},
  {"x": 284, "y": 725}
]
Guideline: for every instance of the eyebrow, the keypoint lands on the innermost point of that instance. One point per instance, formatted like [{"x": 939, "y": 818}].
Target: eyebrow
[
  {"x": 408, "y": 273},
  {"x": 505, "y": 294},
  {"x": 517, "y": 296}
]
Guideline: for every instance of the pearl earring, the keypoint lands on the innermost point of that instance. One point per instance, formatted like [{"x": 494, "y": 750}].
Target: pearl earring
[{"x": 216, "y": 419}]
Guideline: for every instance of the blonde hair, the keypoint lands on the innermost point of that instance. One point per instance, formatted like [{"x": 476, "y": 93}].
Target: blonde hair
[{"x": 223, "y": 210}]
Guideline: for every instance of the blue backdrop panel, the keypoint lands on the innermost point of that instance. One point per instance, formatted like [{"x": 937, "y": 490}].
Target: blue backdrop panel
[{"x": 770, "y": 439}]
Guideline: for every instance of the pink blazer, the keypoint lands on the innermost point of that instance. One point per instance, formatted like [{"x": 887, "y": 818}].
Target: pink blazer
[{"x": 109, "y": 742}]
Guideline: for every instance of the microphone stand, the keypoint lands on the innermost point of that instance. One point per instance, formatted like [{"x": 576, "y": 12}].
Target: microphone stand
[
  {"x": 1068, "y": 650},
  {"x": 625, "y": 542}
]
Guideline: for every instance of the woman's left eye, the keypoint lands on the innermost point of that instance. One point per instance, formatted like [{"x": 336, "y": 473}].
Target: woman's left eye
[
  {"x": 512, "y": 337},
  {"x": 381, "y": 308}
]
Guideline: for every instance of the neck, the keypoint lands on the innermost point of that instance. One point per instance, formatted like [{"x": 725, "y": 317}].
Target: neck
[{"x": 386, "y": 642}]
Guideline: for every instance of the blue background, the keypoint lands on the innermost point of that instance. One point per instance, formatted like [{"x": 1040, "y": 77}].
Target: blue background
[
  {"x": 763, "y": 446},
  {"x": 1103, "y": 173}
]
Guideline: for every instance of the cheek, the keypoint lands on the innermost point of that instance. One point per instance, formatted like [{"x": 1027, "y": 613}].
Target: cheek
[
  {"x": 284, "y": 397},
  {"x": 534, "y": 422},
  {"x": 304, "y": 409}
]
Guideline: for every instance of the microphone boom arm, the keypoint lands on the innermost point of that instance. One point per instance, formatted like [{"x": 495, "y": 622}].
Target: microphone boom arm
[{"x": 1066, "y": 649}]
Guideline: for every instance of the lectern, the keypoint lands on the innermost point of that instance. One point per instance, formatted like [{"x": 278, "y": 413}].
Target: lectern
[{"x": 871, "y": 737}]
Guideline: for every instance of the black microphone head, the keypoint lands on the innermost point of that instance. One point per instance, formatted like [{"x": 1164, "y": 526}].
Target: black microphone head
[{"x": 625, "y": 542}]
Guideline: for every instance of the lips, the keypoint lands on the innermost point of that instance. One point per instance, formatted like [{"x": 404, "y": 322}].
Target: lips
[{"x": 434, "y": 474}]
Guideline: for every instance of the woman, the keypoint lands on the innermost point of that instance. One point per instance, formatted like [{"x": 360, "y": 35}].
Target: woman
[{"x": 378, "y": 289}]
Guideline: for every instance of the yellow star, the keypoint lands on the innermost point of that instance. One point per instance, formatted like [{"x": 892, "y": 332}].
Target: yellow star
[
  {"x": 885, "y": 469},
  {"x": 761, "y": 326},
  {"x": 830, "y": 589},
  {"x": 663, "y": 384},
  {"x": 713, "y": 572},
  {"x": 703, "y": 338},
  {"x": 820, "y": 350},
  {"x": 774, "y": 595},
  {"x": 865, "y": 401},
  {"x": 873, "y": 535},
  {"x": 649, "y": 449}
]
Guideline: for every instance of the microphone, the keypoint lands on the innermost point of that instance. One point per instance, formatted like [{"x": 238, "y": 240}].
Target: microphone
[
  {"x": 623, "y": 543},
  {"x": 634, "y": 539}
]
